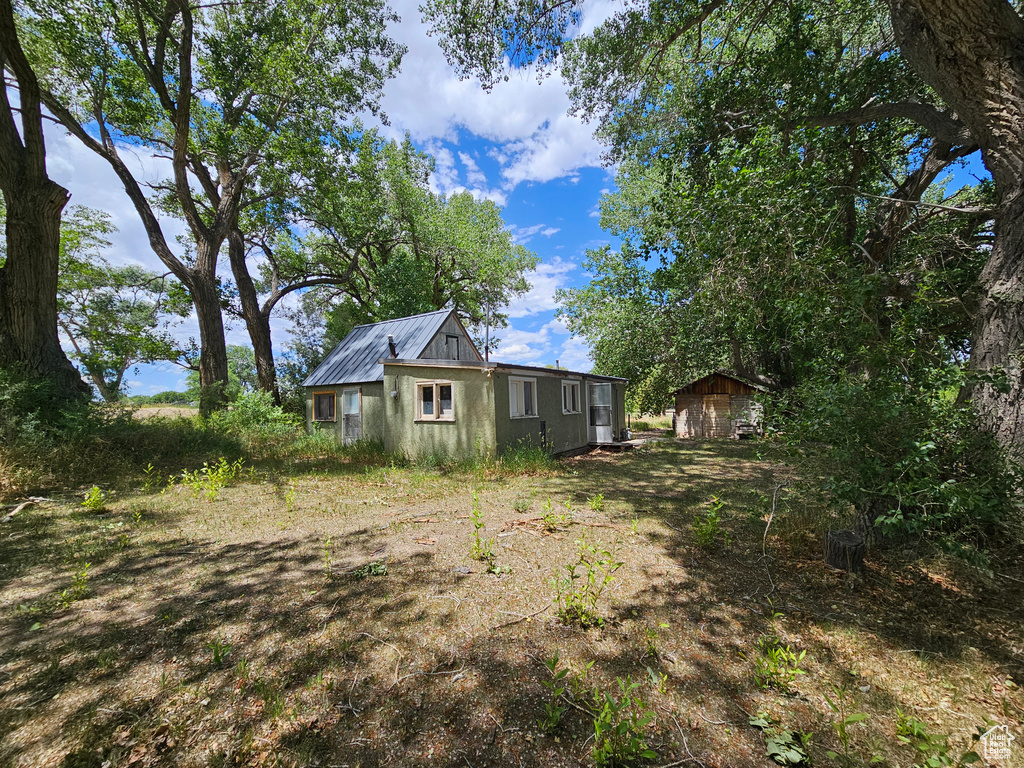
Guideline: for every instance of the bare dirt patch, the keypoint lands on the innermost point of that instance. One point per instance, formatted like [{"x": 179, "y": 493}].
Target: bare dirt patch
[
  {"x": 259, "y": 629},
  {"x": 166, "y": 411}
]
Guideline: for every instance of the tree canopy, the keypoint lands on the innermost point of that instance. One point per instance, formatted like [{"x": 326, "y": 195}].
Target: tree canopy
[{"x": 113, "y": 317}]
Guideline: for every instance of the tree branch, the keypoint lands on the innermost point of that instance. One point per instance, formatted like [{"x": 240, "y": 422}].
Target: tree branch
[{"x": 941, "y": 125}]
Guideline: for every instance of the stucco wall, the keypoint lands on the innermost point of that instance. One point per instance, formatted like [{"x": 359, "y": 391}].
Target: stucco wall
[
  {"x": 564, "y": 432},
  {"x": 372, "y": 407},
  {"x": 470, "y": 434}
]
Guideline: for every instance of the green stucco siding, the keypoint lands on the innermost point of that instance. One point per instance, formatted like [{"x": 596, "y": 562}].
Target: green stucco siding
[
  {"x": 562, "y": 432},
  {"x": 471, "y": 433},
  {"x": 372, "y": 403}
]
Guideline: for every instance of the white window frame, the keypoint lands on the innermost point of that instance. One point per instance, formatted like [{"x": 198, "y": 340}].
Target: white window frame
[
  {"x": 334, "y": 408},
  {"x": 436, "y": 386},
  {"x": 572, "y": 385},
  {"x": 516, "y": 396}
]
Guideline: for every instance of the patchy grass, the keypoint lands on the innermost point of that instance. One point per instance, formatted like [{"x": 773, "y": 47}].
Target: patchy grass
[{"x": 329, "y": 612}]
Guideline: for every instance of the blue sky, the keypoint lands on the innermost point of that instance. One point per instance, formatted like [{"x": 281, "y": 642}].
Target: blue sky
[{"x": 515, "y": 145}]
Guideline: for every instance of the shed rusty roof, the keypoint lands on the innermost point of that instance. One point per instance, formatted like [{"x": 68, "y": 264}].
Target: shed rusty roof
[{"x": 356, "y": 359}]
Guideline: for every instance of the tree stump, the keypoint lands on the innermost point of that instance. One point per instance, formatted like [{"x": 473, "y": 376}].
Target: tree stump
[{"x": 845, "y": 550}]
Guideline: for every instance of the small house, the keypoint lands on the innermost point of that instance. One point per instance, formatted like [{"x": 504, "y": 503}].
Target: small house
[
  {"x": 419, "y": 385},
  {"x": 718, "y": 405}
]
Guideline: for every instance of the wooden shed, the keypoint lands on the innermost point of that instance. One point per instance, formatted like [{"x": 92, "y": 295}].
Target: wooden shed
[{"x": 718, "y": 405}]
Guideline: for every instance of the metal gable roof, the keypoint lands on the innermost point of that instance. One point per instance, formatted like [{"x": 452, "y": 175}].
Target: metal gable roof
[{"x": 356, "y": 359}]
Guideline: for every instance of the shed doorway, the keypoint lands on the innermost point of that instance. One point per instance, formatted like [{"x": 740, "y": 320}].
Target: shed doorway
[
  {"x": 351, "y": 416},
  {"x": 600, "y": 419}
]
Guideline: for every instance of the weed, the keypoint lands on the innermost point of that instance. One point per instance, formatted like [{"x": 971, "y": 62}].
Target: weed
[
  {"x": 708, "y": 527},
  {"x": 242, "y": 669},
  {"x": 845, "y": 719},
  {"x": 152, "y": 478},
  {"x": 482, "y": 549},
  {"x": 220, "y": 650},
  {"x": 618, "y": 727},
  {"x": 328, "y": 559},
  {"x": 137, "y": 516},
  {"x": 552, "y": 521},
  {"x": 777, "y": 666},
  {"x": 932, "y": 749},
  {"x": 211, "y": 478},
  {"x": 651, "y": 636},
  {"x": 577, "y": 593},
  {"x": 95, "y": 500},
  {"x": 659, "y": 680},
  {"x": 521, "y": 505},
  {"x": 782, "y": 746},
  {"x": 596, "y": 503},
  {"x": 79, "y": 587},
  {"x": 107, "y": 657},
  {"x": 373, "y": 568},
  {"x": 289, "y": 498},
  {"x": 554, "y": 709}
]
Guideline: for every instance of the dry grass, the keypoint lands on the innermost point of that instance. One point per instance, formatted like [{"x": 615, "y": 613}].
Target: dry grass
[{"x": 440, "y": 663}]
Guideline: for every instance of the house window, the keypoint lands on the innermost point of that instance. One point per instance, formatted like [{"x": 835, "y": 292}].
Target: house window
[
  {"x": 434, "y": 401},
  {"x": 452, "y": 347},
  {"x": 323, "y": 406},
  {"x": 522, "y": 398},
  {"x": 571, "y": 397}
]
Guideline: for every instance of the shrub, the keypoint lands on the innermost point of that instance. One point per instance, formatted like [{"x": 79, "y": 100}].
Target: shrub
[{"x": 902, "y": 450}]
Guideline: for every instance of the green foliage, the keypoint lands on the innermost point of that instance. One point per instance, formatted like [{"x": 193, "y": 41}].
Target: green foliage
[
  {"x": 578, "y": 591},
  {"x": 707, "y": 527},
  {"x": 95, "y": 500},
  {"x": 79, "y": 587},
  {"x": 553, "y": 521},
  {"x": 328, "y": 558},
  {"x": 596, "y": 502},
  {"x": 844, "y": 720},
  {"x": 212, "y": 477},
  {"x": 904, "y": 451},
  {"x": 776, "y": 666},
  {"x": 554, "y": 708},
  {"x": 931, "y": 749},
  {"x": 784, "y": 747},
  {"x": 373, "y": 568},
  {"x": 619, "y": 723},
  {"x": 521, "y": 505},
  {"x": 524, "y": 459},
  {"x": 115, "y": 317},
  {"x": 220, "y": 649},
  {"x": 482, "y": 549}
]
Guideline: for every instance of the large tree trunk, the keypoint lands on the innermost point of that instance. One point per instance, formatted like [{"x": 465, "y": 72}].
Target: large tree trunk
[
  {"x": 28, "y": 288},
  {"x": 28, "y": 279},
  {"x": 213, "y": 362},
  {"x": 972, "y": 53},
  {"x": 256, "y": 321}
]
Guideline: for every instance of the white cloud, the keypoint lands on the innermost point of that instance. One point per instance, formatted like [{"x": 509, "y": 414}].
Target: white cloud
[
  {"x": 545, "y": 280},
  {"x": 575, "y": 355},
  {"x": 537, "y": 140},
  {"x": 548, "y": 232}
]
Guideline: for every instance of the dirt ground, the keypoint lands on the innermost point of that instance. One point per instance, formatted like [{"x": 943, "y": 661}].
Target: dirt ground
[
  {"x": 256, "y": 626},
  {"x": 165, "y": 411}
]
